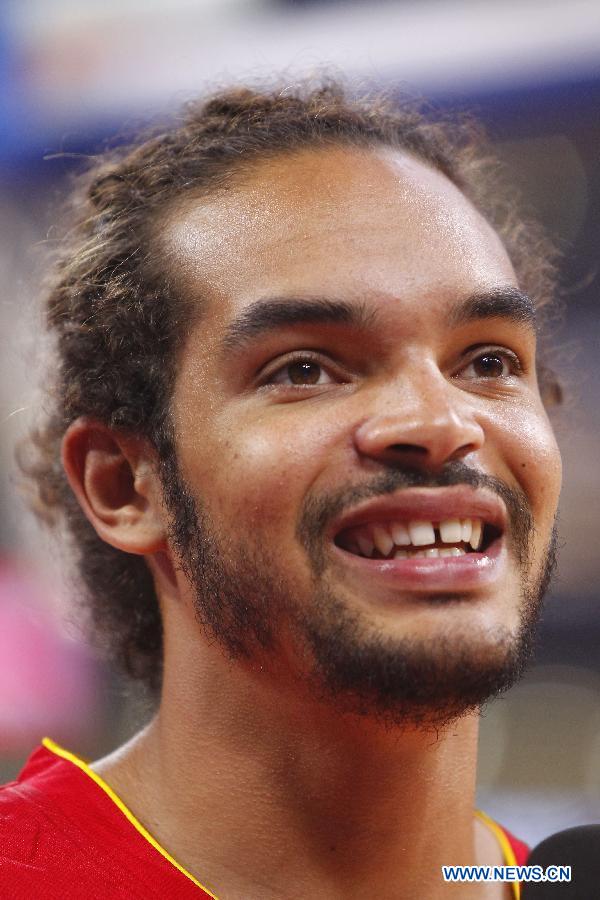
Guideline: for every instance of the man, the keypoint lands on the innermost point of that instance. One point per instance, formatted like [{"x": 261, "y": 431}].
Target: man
[{"x": 313, "y": 487}]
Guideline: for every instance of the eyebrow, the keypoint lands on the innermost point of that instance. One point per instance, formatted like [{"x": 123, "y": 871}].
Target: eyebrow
[
  {"x": 500, "y": 303},
  {"x": 271, "y": 314}
]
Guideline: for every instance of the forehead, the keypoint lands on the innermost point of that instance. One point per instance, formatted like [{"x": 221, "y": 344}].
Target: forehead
[{"x": 335, "y": 220}]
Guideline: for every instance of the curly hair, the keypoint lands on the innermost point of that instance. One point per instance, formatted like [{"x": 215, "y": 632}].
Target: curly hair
[{"x": 117, "y": 319}]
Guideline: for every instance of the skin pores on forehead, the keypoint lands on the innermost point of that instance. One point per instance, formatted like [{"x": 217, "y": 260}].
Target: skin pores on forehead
[
  {"x": 379, "y": 227},
  {"x": 293, "y": 205}
]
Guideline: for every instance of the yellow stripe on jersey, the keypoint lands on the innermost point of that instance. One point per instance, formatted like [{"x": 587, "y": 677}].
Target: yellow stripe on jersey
[
  {"x": 507, "y": 850},
  {"x": 65, "y": 754}
]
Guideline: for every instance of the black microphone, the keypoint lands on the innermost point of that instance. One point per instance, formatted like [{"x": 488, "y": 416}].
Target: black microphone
[{"x": 578, "y": 848}]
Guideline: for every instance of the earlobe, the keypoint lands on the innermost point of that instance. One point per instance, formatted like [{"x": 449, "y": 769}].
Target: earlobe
[{"x": 116, "y": 484}]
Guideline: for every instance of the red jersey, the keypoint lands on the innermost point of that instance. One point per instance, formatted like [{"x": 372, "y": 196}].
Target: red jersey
[{"x": 65, "y": 835}]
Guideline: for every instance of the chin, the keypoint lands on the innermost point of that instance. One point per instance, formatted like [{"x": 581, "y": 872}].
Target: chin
[{"x": 420, "y": 670}]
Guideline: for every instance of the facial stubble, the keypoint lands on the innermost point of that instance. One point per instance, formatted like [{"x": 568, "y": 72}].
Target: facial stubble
[{"x": 244, "y": 600}]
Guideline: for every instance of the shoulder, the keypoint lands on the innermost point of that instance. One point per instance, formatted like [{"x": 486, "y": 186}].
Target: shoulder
[
  {"x": 518, "y": 847},
  {"x": 53, "y": 833},
  {"x": 22, "y": 806},
  {"x": 30, "y": 837},
  {"x": 63, "y": 837},
  {"x": 514, "y": 851}
]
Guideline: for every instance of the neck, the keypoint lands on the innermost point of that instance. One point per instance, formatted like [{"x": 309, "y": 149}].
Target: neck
[{"x": 261, "y": 794}]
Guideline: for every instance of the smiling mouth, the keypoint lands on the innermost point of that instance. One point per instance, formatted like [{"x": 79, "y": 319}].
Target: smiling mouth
[{"x": 418, "y": 539}]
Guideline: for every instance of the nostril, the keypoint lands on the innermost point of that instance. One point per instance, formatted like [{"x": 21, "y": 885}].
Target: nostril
[{"x": 408, "y": 448}]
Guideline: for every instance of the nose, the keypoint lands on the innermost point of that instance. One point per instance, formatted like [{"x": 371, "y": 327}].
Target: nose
[{"x": 425, "y": 423}]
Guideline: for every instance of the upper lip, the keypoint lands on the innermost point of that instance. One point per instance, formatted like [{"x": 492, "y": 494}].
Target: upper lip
[{"x": 426, "y": 504}]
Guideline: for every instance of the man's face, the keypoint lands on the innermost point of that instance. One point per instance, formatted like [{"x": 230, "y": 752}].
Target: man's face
[{"x": 346, "y": 381}]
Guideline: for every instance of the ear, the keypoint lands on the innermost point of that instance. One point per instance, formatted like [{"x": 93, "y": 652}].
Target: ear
[{"x": 115, "y": 480}]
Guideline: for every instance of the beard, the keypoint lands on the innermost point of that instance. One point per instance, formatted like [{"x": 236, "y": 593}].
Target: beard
[{"x": 243, "y": 595}]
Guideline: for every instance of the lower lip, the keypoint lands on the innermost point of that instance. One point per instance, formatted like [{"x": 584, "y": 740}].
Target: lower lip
[{"x": 446, "y": 573}]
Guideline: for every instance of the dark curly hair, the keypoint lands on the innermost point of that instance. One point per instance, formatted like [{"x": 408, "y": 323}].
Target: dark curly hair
[{"x": 117, "y": 318}]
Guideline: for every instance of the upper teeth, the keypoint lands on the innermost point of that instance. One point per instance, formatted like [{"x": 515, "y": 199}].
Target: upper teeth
[{"x": 384, "y": 536}]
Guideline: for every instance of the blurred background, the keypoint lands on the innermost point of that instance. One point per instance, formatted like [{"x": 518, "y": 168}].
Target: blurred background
[{"x": 74, "y": 74}]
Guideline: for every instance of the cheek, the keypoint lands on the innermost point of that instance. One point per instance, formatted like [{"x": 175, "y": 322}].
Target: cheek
[
  {"x": 533, "y": 456},
  {"x": 261, "y": 468}
]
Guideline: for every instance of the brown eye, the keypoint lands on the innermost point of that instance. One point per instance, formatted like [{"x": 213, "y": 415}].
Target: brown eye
[
  {"x": 493, "y": 364},
  {"x": 304, "y": 372},
  {"x": 489, "y": 365}
]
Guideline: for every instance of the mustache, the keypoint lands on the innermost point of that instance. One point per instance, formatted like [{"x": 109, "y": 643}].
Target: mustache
[{"x": 319, "y": 510}]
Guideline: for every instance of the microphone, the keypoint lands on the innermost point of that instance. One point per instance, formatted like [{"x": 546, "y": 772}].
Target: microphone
[{"x": 578, "y": 848}]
